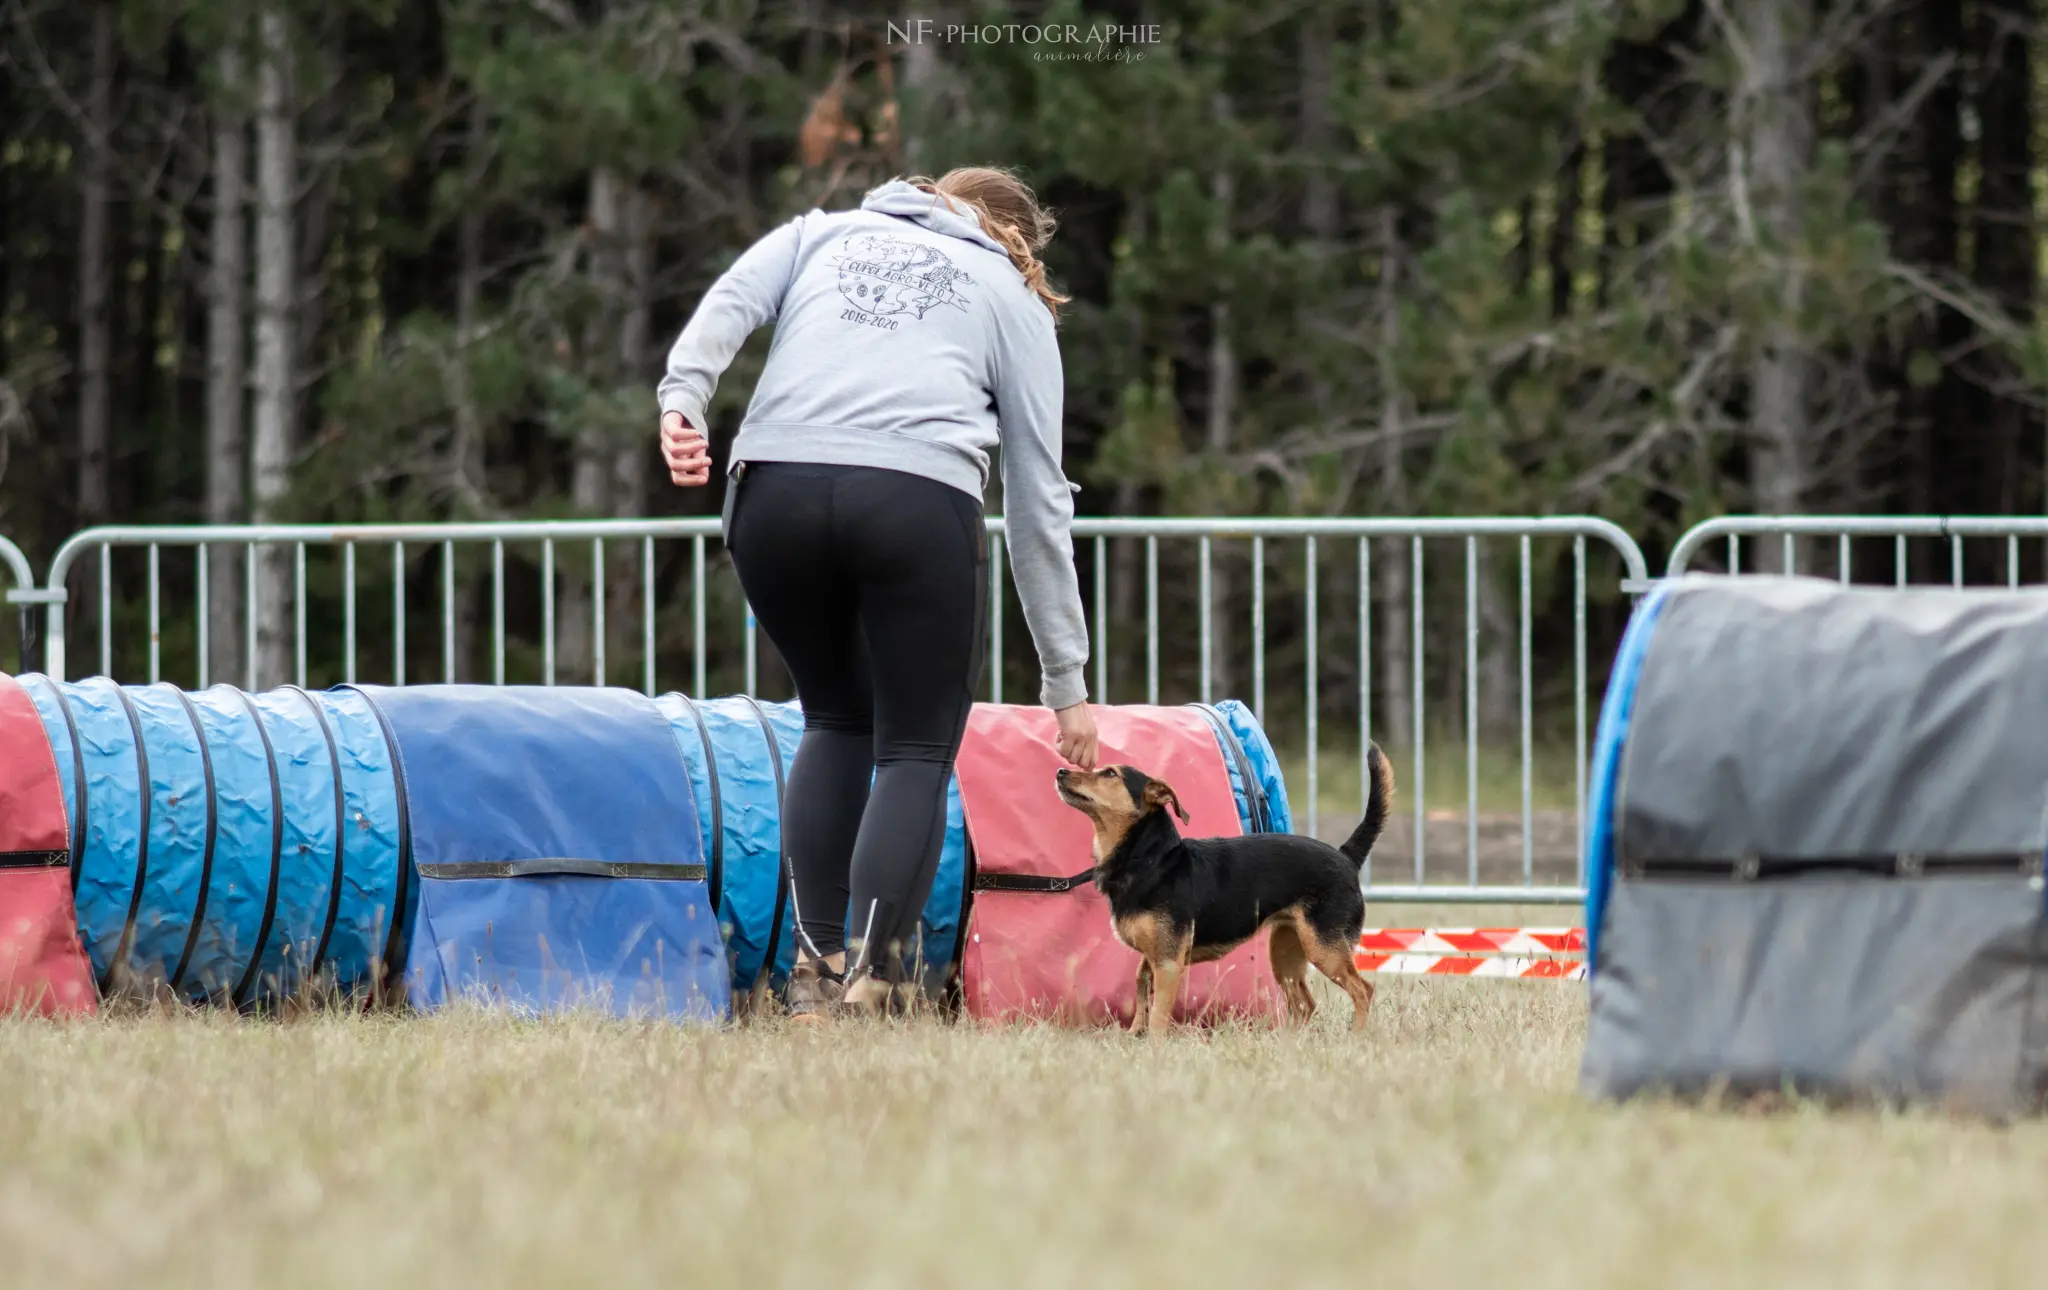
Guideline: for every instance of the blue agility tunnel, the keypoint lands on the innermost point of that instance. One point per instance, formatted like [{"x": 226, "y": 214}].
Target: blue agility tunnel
[
  {"x": 228, "y": 846},
  {"x": 555, "y": 842},
  {"x": 529, "y": 843}
]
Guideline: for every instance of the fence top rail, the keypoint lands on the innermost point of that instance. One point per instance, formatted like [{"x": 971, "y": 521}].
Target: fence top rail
[
  {"x": 708, "y": 526},
  {"x": 1852, "y": 526}
]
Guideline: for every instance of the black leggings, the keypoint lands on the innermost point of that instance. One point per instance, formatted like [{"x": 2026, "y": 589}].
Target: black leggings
[{"x": 872, "y": 585}]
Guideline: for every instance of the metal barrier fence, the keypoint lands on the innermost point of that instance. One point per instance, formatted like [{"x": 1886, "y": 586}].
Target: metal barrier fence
[
  {"x": 1847, "y": 531},
  {"x": 313, "y": 576},
  {"x": 21, "y": 590}
]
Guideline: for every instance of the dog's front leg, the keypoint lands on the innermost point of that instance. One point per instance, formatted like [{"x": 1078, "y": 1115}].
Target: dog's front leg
[
  {"x": 1165, "y": 992},
  {"x": 1141, "y": 1007}
]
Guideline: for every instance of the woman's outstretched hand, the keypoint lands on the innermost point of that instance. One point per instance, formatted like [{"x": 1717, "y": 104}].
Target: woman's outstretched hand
[
  {"x": 1077, "y": 741},
  {"x": 684, "y": 449}
]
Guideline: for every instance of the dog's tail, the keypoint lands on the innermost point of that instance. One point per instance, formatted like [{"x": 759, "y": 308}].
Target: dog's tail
[{"x": 1380, "y": 774}]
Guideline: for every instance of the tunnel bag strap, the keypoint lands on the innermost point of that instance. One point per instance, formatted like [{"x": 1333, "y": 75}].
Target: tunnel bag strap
[
  {"x": 1760, "y": 868},
  {"x": 545, "y": 868},
  {"x": 1254, "y": 792},
  {"x": 34, "y": 859},
  {"x": 1031, "y": 881}
]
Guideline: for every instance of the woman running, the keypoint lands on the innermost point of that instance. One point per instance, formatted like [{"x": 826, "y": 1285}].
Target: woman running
[{"x": 911, "y": 337}]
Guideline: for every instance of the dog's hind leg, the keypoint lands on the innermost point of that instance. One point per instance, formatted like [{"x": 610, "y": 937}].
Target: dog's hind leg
[
  {"x": 1332, "y": 957},
  {"x": 1141, "y": 1006},
  {"x": 1290, "y": 969}
]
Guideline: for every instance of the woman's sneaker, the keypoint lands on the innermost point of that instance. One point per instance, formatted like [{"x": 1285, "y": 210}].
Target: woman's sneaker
[{"x": 816, "y": 992}]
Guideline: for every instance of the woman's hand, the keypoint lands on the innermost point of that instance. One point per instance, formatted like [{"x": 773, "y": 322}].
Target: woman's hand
[
  {"x": 1077, "y": 741},
  {"x": 684, "y": 449}
]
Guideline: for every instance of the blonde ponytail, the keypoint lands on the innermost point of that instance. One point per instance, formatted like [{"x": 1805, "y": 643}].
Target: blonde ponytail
[{"x": 1009, "y": 212}]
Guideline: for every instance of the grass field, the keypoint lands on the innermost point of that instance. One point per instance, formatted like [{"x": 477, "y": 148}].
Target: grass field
[{"x": 1445, "y": 1145}]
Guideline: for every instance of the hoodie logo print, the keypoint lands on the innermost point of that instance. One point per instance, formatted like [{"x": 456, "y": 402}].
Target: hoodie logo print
[{"x": 887, "y": 278}]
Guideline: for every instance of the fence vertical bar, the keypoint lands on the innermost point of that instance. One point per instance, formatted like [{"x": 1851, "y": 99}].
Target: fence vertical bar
[
  {"x": 995, "y": 617},
  {"x": 156, "y": 634},
  {"x": 1309, "y": 611},
  {"x": 1791, "y": 555},
  {"x": 2012, "y": 560},
  {"x": 1528, "y": 733},
  {"x": 1472, "y": 710},
  {"x": 1416, "y": 669},
  {"x": 1899, "y": 559},
  {"x": 1207, "y": 606},
  {"x": 1734, "y": 554},
  {"x": 1842, "y": 559},
  {"x": 1579, "y": 698},
  {"x": 299, "y": 613},
  {"x": 398, "y": 613},
  {"x": 1101, "y": 619},
  {"x": 249, "y": 616},
  {"x": 106, "y": 611},
  {"x": 1259, "y": 628},
  {"x": 597, "y": 599},
  {"x": 200, "y": 574},
  {"x": 547, "y": 611},
  {"x": 448, "y": 612},
  {"x": 498, "y": 611},
  {"x": 697, "y": 598},
  {"x": 1365, "y": 686},
  {"x": 1152, "y": 620},
  {"x": 1955, "y": 560},
  {"x": 647, "y": 614},
  {"x": 348, "y": 612}
]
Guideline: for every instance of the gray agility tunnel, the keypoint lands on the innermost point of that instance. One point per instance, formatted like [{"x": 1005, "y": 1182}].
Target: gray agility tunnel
[{"x": 1816, "y": 838}]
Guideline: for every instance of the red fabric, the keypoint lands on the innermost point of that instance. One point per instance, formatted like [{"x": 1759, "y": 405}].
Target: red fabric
[
  {"x": 43, "y": 967},
  {"x": 1053, "y": 955}
]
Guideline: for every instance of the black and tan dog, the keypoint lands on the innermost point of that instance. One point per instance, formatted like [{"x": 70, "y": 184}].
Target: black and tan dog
[{"x": 1178, "y": 901}]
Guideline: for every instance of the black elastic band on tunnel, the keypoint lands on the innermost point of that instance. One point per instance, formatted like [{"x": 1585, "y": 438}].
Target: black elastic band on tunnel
[
  {"x": 127, "y": 941},
  {"x": 250, "y": 973},
  {"x": 1766, "y": 868},
  {"x": 716, "y": 860},
  {"x": 78, "y": 792},
  {"x": 395, "y": 939},
  {"x": 783, "y": 878},
  {"x": 340, "y": 834},
  {"x": 1254, "y": 792},
  {"x": 177, "y": 980}
]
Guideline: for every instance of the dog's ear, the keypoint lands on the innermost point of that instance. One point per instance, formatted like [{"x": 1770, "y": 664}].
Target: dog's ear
[{"x": 1160, "y": 793}]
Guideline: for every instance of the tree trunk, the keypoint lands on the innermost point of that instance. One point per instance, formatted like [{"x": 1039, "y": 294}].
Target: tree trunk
[
  {"x": 1394, "y": 712},
  {"x": 633, "y": 258},
  {"x": 595, "y": 460},
  {"x": 226, "y": 364},
  {"x": 466, "y": 454},
  {"x": 276, "y": 280},
  {"x": 1223, "y": 383},
  {"x": 1776, "y": 133},
  {"x": 2004, "y": 228},
  {"x": 95, "y": 275},
  {"x": 921, "y": 84}
]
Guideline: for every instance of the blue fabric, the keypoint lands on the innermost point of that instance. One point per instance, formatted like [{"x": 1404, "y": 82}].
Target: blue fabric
[
  {"x": 749, "y": 840},
  {"x": 540, "y": 773},
  {"x": 209, "y": 920},
  {"x": 372, "y": 882},
  {"x": 177, "y": 833},
  {"x": 749, "y": 815},
  {"x": 1609, "y": 735},
  {"x": 244, "y": 810},
  {"x": 1265, "y": 768}
]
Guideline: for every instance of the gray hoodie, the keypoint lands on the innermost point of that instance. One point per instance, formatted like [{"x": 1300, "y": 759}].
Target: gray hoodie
[{"x": 905, "y": 338}]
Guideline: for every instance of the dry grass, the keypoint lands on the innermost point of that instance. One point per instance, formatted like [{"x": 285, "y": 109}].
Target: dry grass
[{"x": 468, "y": 1149}]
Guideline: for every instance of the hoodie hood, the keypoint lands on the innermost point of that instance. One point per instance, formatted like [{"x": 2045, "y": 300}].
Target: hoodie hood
[{"x": 911, "y": 202}]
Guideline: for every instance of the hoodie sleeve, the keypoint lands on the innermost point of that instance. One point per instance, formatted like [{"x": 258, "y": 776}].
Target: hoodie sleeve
[
  {"x": 1038, "y": 502},
  {"x": 745, "y": 298}
]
